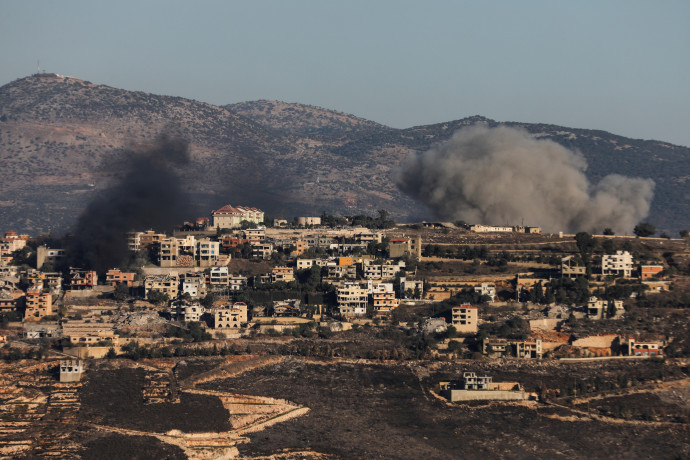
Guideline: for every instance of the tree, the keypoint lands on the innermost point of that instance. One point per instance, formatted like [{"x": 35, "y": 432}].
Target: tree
[
  {"x": 684, "y": 233},
  {"x": 157, "y": 297},
  {"x": 585, "y": 244},
  {"x": 608, "y": 231},
  {"x": 644, "y": 229},
  {"x": 121, "y": 292}
]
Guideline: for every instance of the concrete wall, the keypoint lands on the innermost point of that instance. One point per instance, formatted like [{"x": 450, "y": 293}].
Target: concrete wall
[{"x": 484, "y": 395}]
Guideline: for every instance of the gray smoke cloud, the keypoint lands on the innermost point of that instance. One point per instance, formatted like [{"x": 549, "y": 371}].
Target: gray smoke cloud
[{"x": 502, "y": 175}]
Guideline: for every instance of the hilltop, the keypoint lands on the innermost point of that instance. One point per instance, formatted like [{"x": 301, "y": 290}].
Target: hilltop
[{"x": 61, "y": 140}]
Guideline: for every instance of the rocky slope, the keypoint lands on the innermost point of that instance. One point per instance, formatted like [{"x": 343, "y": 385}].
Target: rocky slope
[{"x": 62, "y": 139}]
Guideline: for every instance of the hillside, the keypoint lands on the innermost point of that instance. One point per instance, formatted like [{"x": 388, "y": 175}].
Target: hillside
[{"x": 62, "y": 139}]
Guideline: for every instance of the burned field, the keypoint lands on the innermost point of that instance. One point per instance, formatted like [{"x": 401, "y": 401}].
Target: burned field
[
  {"x": 365, "y": 410},
  {"x": 113, "y": 397}
]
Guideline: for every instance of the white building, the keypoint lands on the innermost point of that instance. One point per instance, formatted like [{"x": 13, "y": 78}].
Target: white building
[
  {"x": 618, "y": 264},
  {"x": 486, "y": 289},
  {"x": 232, "y": 216}
]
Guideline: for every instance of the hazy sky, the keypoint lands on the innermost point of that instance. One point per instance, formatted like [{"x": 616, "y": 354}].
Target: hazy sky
[{"x": 621, "y": 66}]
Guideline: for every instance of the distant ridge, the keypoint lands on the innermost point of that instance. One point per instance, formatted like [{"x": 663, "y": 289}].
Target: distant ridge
[{"x": 61, "y": 140}]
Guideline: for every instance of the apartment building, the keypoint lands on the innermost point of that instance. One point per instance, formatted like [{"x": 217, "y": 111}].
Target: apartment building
[
  {"x": 465, "y": 318},
  {"x": 352, "y": 300},
  {"x": 165, "y": 284},
  {"x": 116, "y": 277},
  {"x": 618, "y": 264},
  {"x": 38, "y": 305},
  {"x": 232, "y": 216},
  {"x": 230, "y": 316}
]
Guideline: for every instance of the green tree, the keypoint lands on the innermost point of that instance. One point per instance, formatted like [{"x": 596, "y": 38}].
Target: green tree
[
  {"x": 121, "y": 292},
  {"x": 644, "y": 229},
  {"x": 608, "y": 231},
  {"x": 157, "y": 297},
  {"x": 684, "y": 233}
]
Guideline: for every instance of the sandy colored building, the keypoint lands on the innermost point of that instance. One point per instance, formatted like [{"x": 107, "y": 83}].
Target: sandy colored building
[
  {"x": 465, "y": 319},
  {"x": 38, "y": 305}
]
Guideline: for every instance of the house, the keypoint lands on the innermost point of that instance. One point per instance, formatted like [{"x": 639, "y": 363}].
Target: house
[
  {"x": 38, "y": 305},
  {"x": 230, "y": 316},
  {"x": 232, "y": 216},
  {"x": 497, "y": 347},
  {"x": 603, "y": 309},
  {"x": 11, "y": 243},
  {"x": 289, "y": 307},
  {"x": 139, "y": 241},
  {"x": 194, "y": 284},
  {"x": 386, "y": 271},
  {"x": 618, "y": 264},
  {"x": 82, "y": 279},
  {"x": 639, "y": 348},
  {"x": 486, "y": 289},
  {"x": 71, "y": 370},
  {"x": 237, "y": 282},
  {"x": 650, "y": 271},
  {"x": 11, "y": 299},
  {"x": 473, "y": 387},
  {"x": 352, "y": 299},
  {"x": 465, "y": 318},
  {"x": 218, "y": 277},
  {"x": 116, "y": 277},
  {"x": 490, "y": 229},
  {"x": 411, "y": 288}
]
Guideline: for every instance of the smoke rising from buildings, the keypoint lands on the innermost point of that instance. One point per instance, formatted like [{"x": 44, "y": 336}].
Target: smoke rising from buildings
[
  {"x": 502, "y": 175},
  {"x": 149, "y": 196}
]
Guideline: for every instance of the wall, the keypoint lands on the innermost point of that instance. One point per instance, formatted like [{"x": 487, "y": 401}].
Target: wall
[{"x": 484, "y": 395}]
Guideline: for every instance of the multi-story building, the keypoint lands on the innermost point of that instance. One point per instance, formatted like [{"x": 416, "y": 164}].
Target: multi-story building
[
  {"x": 262, "y": 250},
  {"x": 207, "y": 252},
  {"x": 399, "y": 247},
  {"x": 352, "y": 300},
  {"x": 38, "y": 305},
  {"x": 194, "y": 284},
  {"x": 115, "y": 277},
  {"x": 282, "y": 274},
  {"x": 383, "y": 298},
  {"x": 308, "y": 221},
  {"x": 168, "y": 251},
  {"x": 82, "y": 279},
  {"x": 465, "y": 318},
  {"x": 618, "y": 264},
  {"x": 218, "y": 277},
  {"x": 11, "y": 243},
  {"x": 385, "y": 271},
  {"x": 651, "y": 349},
  {"x": 237, "y": 282},
  {"x": 165, "y": 284},
  {"x": 232, "y": 216},
  {"x": 498, "y": 347},
  {"x": 571, "y": 269},
  {"x": 602, "y": 309},
  {"x": 230, "y": 316},
  {"x": 11, "y": 300}
]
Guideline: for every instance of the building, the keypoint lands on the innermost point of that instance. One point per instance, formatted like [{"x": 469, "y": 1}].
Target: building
[
  {"x": 232, "y": 216},
  {"x": 496, "y": 347},
  {"x": 383, "y": 298},
  {"x": 618, "y": 264},
  {"x": 262, "y": 250},
  {"x": 571, "y": 268},
  {"x": 308, "y": 221},
  {"x": 487, "y": 290},
  {"x": 400, "y": 247},
  {"x": 116, "y": 277},
  {"x": 490, "y": 228},
  {"x": 165, "y": 284},
  {"x": 282, "y": 274},
  {"x": 651, "y": 349},
  {"x": 193, "y": 312},
  {"x": 168, "y": 252},
  {"x": 650, "y": 271},
  {"x": 218, "y": 277},
  {"x": 207, "y": 252},
  {"x": 230, "y": 316},
  {"x": 44, "y": 255},
  {"x": 352, "y": 300},
  {"x": 11, "y": 300},
  {"x": 11, "y": 243},
  {"x": 386, "y": 271},
  {"x": 237, "y": 282},
  {"x": 194, "y": 284},
  {"x": 82, "y": 279},
  {"x": 465, "y": 319},
  {"x": 604, "y": 309},
  {"x": 473, "y": 387},
  {"x": 38, "y": 305},
  {"x": 71, "y": 370}
]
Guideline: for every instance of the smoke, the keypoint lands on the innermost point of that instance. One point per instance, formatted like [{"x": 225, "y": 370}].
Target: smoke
[
  {"x": 149, "y": 196},
  {"x": 502, "y": 175}
]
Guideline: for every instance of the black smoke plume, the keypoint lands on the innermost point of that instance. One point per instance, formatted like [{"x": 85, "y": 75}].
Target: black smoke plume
[
  {"x": 502, "y": 175},
  {"x": 149, "y": 196}
]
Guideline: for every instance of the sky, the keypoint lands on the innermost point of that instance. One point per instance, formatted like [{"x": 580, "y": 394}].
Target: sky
[{"x": 620, "y": 65}]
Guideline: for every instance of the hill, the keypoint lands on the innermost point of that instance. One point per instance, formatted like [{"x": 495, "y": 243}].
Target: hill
[{"x": 62, "y": 141}]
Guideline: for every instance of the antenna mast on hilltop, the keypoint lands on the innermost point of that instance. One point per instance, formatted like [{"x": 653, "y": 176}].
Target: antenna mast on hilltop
[{"x": 38, "y": 66}]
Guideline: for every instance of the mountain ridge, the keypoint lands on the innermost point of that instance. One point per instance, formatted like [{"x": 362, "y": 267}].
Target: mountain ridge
[{"x": 61, "y": 138}]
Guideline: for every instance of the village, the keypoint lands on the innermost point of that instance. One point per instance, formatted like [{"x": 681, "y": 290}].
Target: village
[{"x": 235, "y": 286}]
